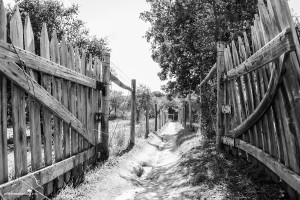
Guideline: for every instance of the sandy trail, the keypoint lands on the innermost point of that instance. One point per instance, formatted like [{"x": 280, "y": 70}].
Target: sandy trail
[{"x": 178, "y": 164}]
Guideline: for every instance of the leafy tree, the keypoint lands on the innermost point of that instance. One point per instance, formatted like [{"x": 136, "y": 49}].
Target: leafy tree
[
  {"x": 142, "y": 92},
  {"x": 183, "y": 37},
  {"x": 62, "y": 19},
  {"x": 116, "y": 98}
]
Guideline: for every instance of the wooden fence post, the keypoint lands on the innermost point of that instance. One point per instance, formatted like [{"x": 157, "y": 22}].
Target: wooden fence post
[
  {"x": 220, "y": 94},
  {"x": 105, "y": 107},
  {"x": 147, "y": 117},
  {"x": 159, "y": 119},
  {"x": 200, "y": 113},
  {"x": 155, "y": 128},
  {"x": 3, "y": 106},
  {"x": 190, "y": 111},
  {"x": 184, "y": 114},
  {"x": 133, "y": 110}
]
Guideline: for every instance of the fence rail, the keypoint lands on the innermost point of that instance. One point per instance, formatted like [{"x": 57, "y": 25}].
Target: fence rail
[{"x": 258, "y": 89}]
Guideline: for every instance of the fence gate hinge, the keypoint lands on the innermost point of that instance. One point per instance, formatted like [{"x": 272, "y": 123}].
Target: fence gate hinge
[
  {"x": 226, "y": 109},
  {"x": 98, "y": 117},
  {"x": 101, "y": 86}
]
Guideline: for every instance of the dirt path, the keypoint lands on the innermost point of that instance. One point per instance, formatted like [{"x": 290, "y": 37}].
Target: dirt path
[{"x": 184, "y": 165}]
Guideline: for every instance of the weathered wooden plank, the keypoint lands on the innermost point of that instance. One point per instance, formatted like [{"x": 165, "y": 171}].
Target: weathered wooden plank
[
  {"x": 279, "y": 133},
  {"x": 18, "y": 103},
  {"x": 248, "y": 90},
  {"x": 65, "y": 102},
  {"x": 237, "y": 112},
  {"x": 262, "y": 82},
  {"x": 283, "y": 172},
  {"x": 256, "y": 85},
  {"x": 89, "y": 113},
  {"x": 95, "y": 106},
  {"x": 133, "y": 110},
  {"x": 220, "y": 94},
  {"x": 89, "y": 97},
  {"x": 270, "y": 32},
  {"x": 56, "y": 92},
  {"x": 17, "y": 75},
  {"x": 105, "y": 107},
  {"x": 78, "y": 140},
  {"x": 44, "y": 65},
  {"x": 292, "y": 78},
  {"x": 43, "y": 176},
  {"x": 47, "y": 122},
  {"x": 119, "y": 83},
  {"x": 3, "y": 105},
  {"x": 84, "y": 102},
  {"x": 98, "y": 94},
  {"x": 283, "y": 43},
  {"x": 288, "y": 142},
  {"x": 34, "y": 107},
  {"x": 263, "y": 105},
  {"x": 72, "y": 104},
  {"x": 254, "y": 97},
  {"x": 242, "y": 95}
]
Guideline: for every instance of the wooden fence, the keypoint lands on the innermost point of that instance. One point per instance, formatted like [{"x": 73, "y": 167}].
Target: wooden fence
[
  {"x": 66, "y": 92},
  {"x": 258, "y": 90}
]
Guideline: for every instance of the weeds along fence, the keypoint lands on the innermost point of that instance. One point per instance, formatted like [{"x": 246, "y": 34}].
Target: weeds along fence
[
  {"x": 65, "y": 95},
  {"x": 258, "y": 91}
]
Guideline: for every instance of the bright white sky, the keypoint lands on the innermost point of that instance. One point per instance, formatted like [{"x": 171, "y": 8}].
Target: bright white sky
[{"x": 119, "y": 21}]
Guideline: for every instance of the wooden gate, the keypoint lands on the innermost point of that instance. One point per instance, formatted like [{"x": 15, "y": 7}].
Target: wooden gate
[
  {"x": 258, "y": 92},
  {"x": 59, "y": 92},
  {"x": 258, "y": 110}
]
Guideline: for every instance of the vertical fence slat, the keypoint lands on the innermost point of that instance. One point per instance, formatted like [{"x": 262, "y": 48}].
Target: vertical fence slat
[
  {"x": 234, "y": 97},
  {"x": 56, "y": 92},
  {"x": 248, "y": 89},
  {"x": 65, "y": 102},
  {"x": 253, "y": 80},
  {"x": 97, "y": 107},
  {"x": 72, "y": 104},
  {"x": 47, "y": 124},
  {"x": 18, "y": 103},
  {"x": 269, "y": 30},
  {"x": 262, "y": 83},
  {"x": 3, "y": 105},
  {"x": 282, "y": 11},
  {"x": 280, "y": 140},
  {"x": 229, "y": 120},
  {"x": 89, "y": 113},
  {"x": 84, "y": 95},
  {"x": 105, "y": 107},
  {"x": 220, "y": 93},
  {"x": 34, "y": 106}
]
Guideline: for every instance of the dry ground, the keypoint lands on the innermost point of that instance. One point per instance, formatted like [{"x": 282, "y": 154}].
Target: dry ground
[{"x": 185, "y": 165}]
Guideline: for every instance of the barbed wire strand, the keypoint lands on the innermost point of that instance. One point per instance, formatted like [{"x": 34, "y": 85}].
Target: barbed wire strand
[
  {"x": 124, "y": 79},
  {"x": 120, "y": 70}
]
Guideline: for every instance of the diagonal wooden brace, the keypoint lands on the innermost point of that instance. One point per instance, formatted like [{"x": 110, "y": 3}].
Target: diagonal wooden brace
[{"x": 23, "y": 80}]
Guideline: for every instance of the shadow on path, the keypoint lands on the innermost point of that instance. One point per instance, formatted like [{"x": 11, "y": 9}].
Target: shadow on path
[{"x": 202, "y": 173}]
